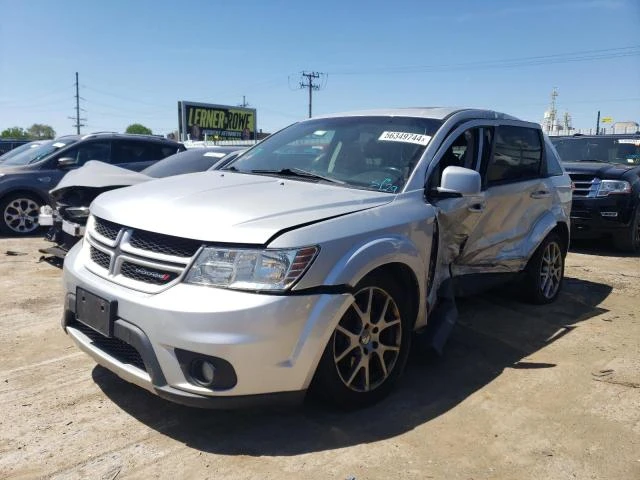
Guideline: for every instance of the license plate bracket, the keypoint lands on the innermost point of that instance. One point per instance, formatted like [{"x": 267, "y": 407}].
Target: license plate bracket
[{"x": 95, "y": 312}]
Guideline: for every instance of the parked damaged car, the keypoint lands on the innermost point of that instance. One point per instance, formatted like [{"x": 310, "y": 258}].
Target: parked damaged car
[
  {"x": 294, "y": 270},
  {"x": 605, "y": 170},
  {"x": 26, "y": 178},
  {"x": 75, "y": 192}
]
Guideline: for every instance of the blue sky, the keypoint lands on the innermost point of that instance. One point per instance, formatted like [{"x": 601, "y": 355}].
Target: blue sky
[{"x": 136, "y": 59}]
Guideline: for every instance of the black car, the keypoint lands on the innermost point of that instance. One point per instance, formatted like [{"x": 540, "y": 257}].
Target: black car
[
  {"x": 76, "y": 191},
  {"x": 26, "y": 178},
  {"x": 605, "y": 170}
]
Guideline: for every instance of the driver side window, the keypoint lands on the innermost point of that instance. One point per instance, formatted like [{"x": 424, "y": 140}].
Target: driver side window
[{"x": 461, "y": 152}]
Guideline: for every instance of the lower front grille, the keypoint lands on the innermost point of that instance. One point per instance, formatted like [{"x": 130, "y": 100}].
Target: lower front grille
[{"x": 121, "y": 351}]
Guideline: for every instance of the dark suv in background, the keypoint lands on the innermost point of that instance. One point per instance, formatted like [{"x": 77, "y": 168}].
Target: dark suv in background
[
  {"x": 605, "y": 170},
  {"x": 25, "y": 179}
]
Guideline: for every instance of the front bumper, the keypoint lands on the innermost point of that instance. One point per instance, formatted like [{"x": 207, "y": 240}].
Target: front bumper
[
  {"x": 272, "y": 342},
  {"x": 594, "y": 217}
]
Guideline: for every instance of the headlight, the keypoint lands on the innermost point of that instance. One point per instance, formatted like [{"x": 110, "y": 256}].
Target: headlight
[
  {"x": 245, "y": 269},
  {"x": 613, "y": 186},
  {"x": 77, "y": 213}
]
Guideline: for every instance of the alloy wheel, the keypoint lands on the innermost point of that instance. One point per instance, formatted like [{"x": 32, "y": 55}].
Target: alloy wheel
[
  {"x": 21, "y": 215},
  {"x": 551, "y": 270},
  {"x": 367, "y": 341}
]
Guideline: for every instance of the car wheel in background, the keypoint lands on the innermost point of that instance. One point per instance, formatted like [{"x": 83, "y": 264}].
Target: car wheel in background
[
  {"x": 19, "y": 214},
  {"x": 545, "y": 271},
  {"x": 629, "y": 239},
  {"x": 368, "y": 349}
]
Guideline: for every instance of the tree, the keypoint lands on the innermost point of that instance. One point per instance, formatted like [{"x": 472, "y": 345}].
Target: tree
[
  {"x": 138, "y": 128},
  {"x": 40, "y": 131},
  {"x": 15, "y": 132}
]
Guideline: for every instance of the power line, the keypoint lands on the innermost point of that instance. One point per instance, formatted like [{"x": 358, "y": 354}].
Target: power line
[
  {"x": 127, "y": 99},
  {"x": 310, "y": 76},
  {"x": 578, "y": 56}
]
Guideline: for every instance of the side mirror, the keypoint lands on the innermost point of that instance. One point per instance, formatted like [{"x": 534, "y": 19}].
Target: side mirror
[
  {"x": 461, "y": 181},
  {"x": 66, "y": 162}
]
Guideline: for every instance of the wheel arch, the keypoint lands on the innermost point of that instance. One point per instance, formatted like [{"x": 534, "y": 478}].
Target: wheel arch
[
  {"x": 24, "y": 191},
  {"x": 562, "y": 229},
  {"x": 408, "y": 281}
]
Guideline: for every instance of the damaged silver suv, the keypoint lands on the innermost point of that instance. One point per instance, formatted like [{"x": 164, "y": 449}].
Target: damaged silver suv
[{"x": 314, "y": 259}]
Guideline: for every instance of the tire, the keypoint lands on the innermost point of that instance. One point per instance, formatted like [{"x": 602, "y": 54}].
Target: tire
[
  {"x": 545, "y": 271},
  {"x": 362, "y": 361},
  {"x": 629, "y": 239},
  {"x": 19, "y": 214}
]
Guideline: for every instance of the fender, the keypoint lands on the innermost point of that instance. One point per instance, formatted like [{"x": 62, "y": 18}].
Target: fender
[
  {"x": 542, "y": 228},
  {"x": 366, "y": 257}
]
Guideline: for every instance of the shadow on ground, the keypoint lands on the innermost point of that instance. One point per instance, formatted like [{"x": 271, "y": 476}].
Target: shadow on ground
[
  {"x": 602, "y": 247},
  {"x": 493, "y": 333}
]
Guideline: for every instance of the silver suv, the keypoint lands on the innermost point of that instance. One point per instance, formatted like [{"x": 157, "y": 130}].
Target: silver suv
[{"x": 315, "y": 258}]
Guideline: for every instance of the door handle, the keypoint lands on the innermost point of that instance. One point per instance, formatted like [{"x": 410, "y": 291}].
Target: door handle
[
  {"x": 476, "y": 207},
  {"x": 541, "y": 194}
]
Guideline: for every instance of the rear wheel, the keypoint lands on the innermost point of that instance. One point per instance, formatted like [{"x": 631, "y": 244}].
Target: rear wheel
[
  {"x": 19, "y": 214},
  {"x": 545, "y": 271},
  {"x": 629, "y": 239},
  {"x": 368, "y": 349}
]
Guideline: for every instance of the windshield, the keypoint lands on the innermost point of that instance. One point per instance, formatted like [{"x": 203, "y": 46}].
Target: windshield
[
  {"x": 376, "y": 153},
  {"x": 20, "y": 149},
  {"x": 36, "y": 154},
  {"x": 601, "y": 149}
]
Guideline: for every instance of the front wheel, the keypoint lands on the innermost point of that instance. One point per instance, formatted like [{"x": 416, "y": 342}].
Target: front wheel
[
  {"x": 19, "y": 214},
  {"x": 368, "y": 349},
  {"x": 545, "y": 271}
]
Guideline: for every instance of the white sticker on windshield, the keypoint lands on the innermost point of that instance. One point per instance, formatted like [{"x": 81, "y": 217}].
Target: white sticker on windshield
[
  {"x": 406, "y": 137},
  {"x": 631, "y": 141},
  {"x": 59, "y": 144},
  {"x": 214, "y": 154}
]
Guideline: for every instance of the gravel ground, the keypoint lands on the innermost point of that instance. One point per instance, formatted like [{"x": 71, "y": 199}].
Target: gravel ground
[{"x": 549, "y": 392}]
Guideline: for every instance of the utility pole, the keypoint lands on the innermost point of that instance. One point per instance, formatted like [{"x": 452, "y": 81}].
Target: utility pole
[
  {"x": 310, "y": 76},
  {"x": 77, "y": 118},
  {"x": 244, "y": 103},
  {"x": 598, "y": 124}
]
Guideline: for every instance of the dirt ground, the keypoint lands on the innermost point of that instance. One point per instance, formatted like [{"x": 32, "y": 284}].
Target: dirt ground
[{"x": 522, "y": 392}]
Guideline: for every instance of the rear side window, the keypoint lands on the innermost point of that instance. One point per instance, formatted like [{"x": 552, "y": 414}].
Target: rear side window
[
  {"x": 552, "y": 158},
  {"x": 131, "y": 151},
  {"x": 517, "y": 155},
  {"x": 88, "y": 151}
]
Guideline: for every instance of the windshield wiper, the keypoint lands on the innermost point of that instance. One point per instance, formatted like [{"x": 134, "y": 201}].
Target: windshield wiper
[{"x": 297, "y": 172}]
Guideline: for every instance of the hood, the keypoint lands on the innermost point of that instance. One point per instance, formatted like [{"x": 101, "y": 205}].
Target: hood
[
  {"x": 97, "y": 174},
  {"x": 612, "y": 171},
  {"x": 230, "y": 207}
]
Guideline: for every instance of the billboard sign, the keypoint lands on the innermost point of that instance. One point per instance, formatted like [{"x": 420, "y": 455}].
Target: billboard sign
[{"x": 200, "y": 121}]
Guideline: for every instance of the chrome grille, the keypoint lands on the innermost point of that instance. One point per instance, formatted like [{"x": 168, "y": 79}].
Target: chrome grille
[
  {"x": 584, "y": 185},
  {"x": 164, "y": 244},
  {"x": 99, "y": 257},
  {"x": 137, "y": 259},
  {"x": 107, "y": 229}
]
